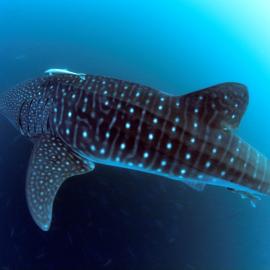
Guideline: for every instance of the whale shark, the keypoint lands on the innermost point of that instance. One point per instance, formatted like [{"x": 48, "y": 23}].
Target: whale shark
[{"x": 76, "y": 124}]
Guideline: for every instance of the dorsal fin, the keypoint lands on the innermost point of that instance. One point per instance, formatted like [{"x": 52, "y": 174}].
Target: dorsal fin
[{"x": 219, "y": 106}]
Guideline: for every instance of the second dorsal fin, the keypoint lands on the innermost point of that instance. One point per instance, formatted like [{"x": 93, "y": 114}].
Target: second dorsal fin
[{"x": 219, "y": 106}]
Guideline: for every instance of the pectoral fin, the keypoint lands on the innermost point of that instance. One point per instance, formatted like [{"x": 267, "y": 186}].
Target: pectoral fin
[{"x": 51, "y": 163}]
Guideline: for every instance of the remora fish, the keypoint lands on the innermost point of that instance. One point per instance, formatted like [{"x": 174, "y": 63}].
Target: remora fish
[
  {"x": 76, "y": 123},
  {"x": 54, "y": 71}
]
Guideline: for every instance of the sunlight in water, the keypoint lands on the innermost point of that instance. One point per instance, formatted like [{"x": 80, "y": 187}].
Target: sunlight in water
[{"x": 247, "y": 19}]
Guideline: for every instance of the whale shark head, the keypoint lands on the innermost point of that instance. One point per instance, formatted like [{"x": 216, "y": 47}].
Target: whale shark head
[
  {"x": 21, "y": 104},
  {"x": 11, "y": 102}
]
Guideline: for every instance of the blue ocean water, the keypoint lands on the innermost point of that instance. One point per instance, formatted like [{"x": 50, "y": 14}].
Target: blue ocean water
[{"x": 119, "y": 219}]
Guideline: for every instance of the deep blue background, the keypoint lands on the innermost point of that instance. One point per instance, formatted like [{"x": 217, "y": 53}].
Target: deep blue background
[{"x": 118, "y": 219}]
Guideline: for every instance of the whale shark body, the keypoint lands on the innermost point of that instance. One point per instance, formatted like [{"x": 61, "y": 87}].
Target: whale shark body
[{"x": 77, "y": 123}]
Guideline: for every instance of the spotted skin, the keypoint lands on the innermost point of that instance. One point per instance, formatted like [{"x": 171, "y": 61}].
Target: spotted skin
[
  {"x": 52, "y": 163},
  {"x": 104, "y": 120}
]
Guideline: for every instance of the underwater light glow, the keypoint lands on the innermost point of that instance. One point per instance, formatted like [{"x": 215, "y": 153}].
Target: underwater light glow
[{"x": 248, "y": 20}]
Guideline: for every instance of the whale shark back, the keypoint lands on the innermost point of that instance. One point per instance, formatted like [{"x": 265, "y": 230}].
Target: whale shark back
[{"x": 76, "y": 123}]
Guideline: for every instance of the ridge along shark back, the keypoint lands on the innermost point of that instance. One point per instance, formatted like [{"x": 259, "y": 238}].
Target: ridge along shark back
[{"x": 76, "y": 122}]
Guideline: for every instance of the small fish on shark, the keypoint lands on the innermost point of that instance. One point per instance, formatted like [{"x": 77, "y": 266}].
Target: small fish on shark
[
  {"x": 54, "y": 71},
  {"x": 77, "y": 120}
]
